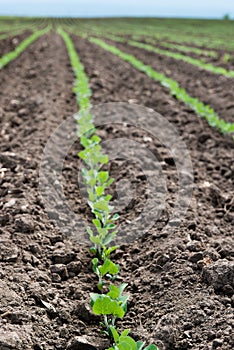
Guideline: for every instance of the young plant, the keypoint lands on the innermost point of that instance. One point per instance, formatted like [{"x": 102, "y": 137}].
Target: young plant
[
  {"x": 108, "y": 269},
  {"x": 111, "y": 305},
  {"x": 123, "y": 341}
]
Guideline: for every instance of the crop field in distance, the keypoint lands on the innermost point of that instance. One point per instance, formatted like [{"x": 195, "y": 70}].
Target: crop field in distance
[{"x": 116, "y": 184}]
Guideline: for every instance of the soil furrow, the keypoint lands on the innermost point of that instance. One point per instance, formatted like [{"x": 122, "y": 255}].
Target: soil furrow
[
  {"x": 169, "y": 296},
  {"x": 9, "y": 44},
  {"x": 212, "y": 89},
  {"x": 38, "y": 264},
  {"x": 46, "y": 277}
]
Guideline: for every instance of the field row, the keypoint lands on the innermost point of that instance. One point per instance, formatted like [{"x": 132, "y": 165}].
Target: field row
[
  {"x": 177, "y": 81},
  {"x": 52, "y": 275},
  {"x": 208, "y": 40},
  {"x": 218, "y": 57}
]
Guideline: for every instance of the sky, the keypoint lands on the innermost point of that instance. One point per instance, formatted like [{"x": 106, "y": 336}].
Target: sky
[{"x": 112, "y": 8}]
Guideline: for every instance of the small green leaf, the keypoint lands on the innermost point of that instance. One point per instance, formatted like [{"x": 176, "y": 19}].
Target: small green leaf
[
  {"x": 100, "y": 285},
  {"x": 90, "y": 231},
  {"x": 95, "y": 261},
  {"x": 108, "y": 198},
  {"x": 109, "y": 267},
  {"x": 100, "y": 190},
  {"x": 109, "y": 182},
  {"x": 151, "y": 347},
  {"x": 110, "y": 250},
  {"x": 114, "y": 334},
  {"x": 97, "y": 223},
  {"x": 101, "y": 206},
  {"x": 140, "y": 345},
  {"x": 91, "y": 182},
  {"x": 98, "y": 214},
  {"x": 95, "y": 239},
  {"x": 95, "y": 265},
  {"x": 109, "y": 238},
  {"x": 115, "y": 217},
  {"x": 104, "y": 159},
  {"x": 84, "y": 141},
  {"x": 110, "y": 226},
  {"x": 125, "y": 332},
  {"x": 92, "y": 196},
  {"x": 103, "y": 176},
  {"x": 94, "y": 297},
  {"x": 126, "y": 342},
  {"x": 114, "y": 291},
  {"x": 104, "y": 305},
  {"x": 93, "y": 250},
  {"x": 122, "y": 287},
  {"x": 123, "y": 302},
  {"x": 96, "y": 139}
]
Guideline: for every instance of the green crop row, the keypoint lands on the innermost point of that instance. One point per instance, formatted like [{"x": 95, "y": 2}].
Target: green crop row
[
  {"x": 8, "y": 30},
  {"x": 12, "y": 33},
  {"x": 122, "y": 39},
  {"x": 191, "y": 40},
  {"x": 195, "y": 28},
  {"x": 156, "y": 41},
  {"x": 13, "y": 30},
  {"x": 179, "y": 47},
  {"x": 188, "y": 49},
  {"x": 178, "y": 56},
  {"x": 174, "y": 34},
  {"x": 195, "y": 104},
  {"x": 110, "y": 302},
  {"x": 162, "y": 27},
  {"x": 226, "y": 57},
  {"x": 160, "y": 30},
  {"x": 10, "y": 56}
]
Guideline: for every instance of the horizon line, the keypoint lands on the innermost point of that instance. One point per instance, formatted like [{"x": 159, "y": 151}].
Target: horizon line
[{"x": 117, "y": 17}]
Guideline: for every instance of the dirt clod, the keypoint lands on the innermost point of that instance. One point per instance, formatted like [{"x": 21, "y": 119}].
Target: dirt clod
[
  {"x": 220, "y": 275},
  {"x": 24, "y": 224}
]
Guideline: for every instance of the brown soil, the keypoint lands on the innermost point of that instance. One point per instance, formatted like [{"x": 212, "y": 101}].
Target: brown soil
[
  {"x": 215, "y": 90},
  {"x": 176, "y": 298},
  {"x": 9, "y": 44},
  {"x": 218, "y": 61}
]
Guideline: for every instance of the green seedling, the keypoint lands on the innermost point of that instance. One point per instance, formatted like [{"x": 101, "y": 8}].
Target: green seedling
[
  {"x": 108, "y": 269},
  {"x": 112, "y": 305},
  {"x": 96, "y": 180},
  {"x": 124, "y": 342}
]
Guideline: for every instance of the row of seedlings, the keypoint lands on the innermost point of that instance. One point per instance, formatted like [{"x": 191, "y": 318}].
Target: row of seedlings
[
  {"x": 110, "y": 302},
  {"x": 10, "y": 56},
  {"x": 201, "y": 109}
]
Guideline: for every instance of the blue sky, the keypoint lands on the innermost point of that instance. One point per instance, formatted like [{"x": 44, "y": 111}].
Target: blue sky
[{"x": 99, "y": 8}]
